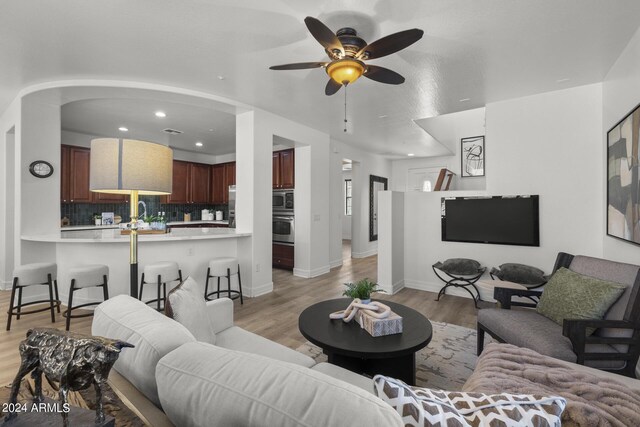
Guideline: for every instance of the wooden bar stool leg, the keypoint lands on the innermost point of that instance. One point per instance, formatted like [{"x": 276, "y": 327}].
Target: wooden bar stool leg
[
  {"x": 70, "y": 305},
  {"x": 206, "y": 284},
  {"x": 13, "y": 296},
  {"x": 159, "y": 286},
  {"x": 218, "y": 293},
  {"x": 55, "y": 288},
  {"x": 141, "y": 287},
  {"x": 53, "y": 310},
  {"x": 240, "y": 285},
  {"x": 105, "y": 288},
  {"x": 19, "y": 308},
  {"x": 164, "y": 294}
]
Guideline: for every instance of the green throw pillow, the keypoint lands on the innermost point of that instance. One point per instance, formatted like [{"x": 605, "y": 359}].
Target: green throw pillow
[{"x": 569, "y": 295}]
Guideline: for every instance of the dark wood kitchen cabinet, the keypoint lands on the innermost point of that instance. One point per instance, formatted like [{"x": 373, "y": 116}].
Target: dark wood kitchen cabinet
[
  {"x": 282, "y": 256},
  {"x": 75, "y": 178},
  {"x": 284, "y": 169},
  {"x": 222, "y": 176},
  {"x": 79, "y": 160},
  {"x": 190, "y": 183}
]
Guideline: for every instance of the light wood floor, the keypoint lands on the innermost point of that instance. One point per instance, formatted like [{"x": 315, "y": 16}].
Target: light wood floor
[{"x": 274, "y": 316}]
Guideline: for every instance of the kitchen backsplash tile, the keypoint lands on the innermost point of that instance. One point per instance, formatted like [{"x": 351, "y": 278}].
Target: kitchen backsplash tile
[{"x": 82, "y": 213}]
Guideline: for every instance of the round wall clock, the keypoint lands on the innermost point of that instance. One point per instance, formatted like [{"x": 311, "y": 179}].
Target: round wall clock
[{"x": 41, "y": 169}]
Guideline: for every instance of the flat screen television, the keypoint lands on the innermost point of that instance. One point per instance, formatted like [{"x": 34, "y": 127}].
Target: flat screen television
[{"x": 503, "y": 220}]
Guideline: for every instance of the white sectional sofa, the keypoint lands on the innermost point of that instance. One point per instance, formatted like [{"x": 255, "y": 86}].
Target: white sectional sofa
[{"x": 242, "y": 380}]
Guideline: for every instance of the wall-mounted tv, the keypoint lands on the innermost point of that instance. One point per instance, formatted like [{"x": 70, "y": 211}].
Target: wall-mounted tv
[{"x": 503, "y": 220}]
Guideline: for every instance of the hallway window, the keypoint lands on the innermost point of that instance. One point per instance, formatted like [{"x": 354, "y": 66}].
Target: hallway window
[{"x": 347, "y": 197}]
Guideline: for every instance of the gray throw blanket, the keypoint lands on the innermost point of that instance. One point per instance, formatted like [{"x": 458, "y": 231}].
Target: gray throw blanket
[{"x": 591, "y": 401}]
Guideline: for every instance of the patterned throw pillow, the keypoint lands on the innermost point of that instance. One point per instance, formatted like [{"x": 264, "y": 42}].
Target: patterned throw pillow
[
  {"x": 569, "y": 295},
  {"x": 425, "y": 407}
]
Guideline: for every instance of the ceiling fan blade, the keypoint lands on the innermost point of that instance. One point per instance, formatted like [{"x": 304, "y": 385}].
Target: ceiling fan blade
[
  {"x": 298, "y": 66},
  {"x": 331, "y": 87},
  {"x": 390, "y": 44},
  {"x": 323, "y": 34},
  {"x": 383, "y": 75}
]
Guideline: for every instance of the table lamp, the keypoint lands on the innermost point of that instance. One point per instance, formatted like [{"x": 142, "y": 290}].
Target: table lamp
[{"x": 126, "y": 166}]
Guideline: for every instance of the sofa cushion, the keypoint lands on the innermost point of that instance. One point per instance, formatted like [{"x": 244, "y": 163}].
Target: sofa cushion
[
  {"x": 520, "y": 273},
  {"x": 424, "y": 407},
  {"x": 345, "y": 375},
  {"x": 569, "y": 295},
  {"x": 205, "y": 385},
  {"x": 187, "y": 306},
  {"x": 235, "y": 338},
  {"x": 153, "y": 334},
  {"x": 527, "y": 328},
  {"x": 459, "y": 266}
]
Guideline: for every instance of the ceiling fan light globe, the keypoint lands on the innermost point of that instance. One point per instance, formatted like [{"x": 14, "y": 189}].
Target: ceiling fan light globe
[{"x": 345, "y": 71}]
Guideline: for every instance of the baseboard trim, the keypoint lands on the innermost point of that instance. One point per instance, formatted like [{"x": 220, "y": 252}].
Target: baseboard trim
[
  {"x": 364, "y": 254},
  {"x": 397, "y": 287},
  {"x": 308, "y": 274},
  {"x": 5, "y": 285},
  {"x": 261, "y": 290},
  {"x": 335, "y": 263},
  {"x": 434, "y": 287}
]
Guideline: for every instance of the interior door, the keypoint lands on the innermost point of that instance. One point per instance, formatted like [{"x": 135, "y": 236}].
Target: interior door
[{"x": 376, "y": 184}]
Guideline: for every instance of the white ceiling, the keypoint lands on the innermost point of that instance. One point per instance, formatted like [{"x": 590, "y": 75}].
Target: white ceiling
[
  {"x": 484, "y": 50},
  {"x": 102, "y": 117}
]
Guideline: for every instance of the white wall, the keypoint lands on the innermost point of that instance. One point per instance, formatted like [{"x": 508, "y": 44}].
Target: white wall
[
  {"x": 548, "y": 144},
  {"x": 620, "y": 94},
  {"x": 391, "y": 232},
  {"x": 9, "y": 134},
  {"x": 346, "y": 219},
  {"x": 364, "y": 164}
]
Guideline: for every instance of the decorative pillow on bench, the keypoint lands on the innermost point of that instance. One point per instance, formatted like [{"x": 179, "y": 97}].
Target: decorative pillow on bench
[
  {"x": 459, "y": 266},
  {"x": 569, "y": 295},
  {"x": 185, "y": 304},
  {"x": 520, "y": 273},
  {"x": 426, "y": 407}
]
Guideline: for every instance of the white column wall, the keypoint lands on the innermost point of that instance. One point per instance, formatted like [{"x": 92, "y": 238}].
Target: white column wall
[
  {"x": 620, "y": 95},
  {"x": 9, "y": 122},
  {"x": 391, "y": 241}
]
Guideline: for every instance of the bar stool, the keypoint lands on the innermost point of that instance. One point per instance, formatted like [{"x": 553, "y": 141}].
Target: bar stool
[
  {"x": 82, "y": 277},
  {"x": 42, "y": 273},
  {"x": 161, "y": 272},
  {"x": 223, "y": 267}
]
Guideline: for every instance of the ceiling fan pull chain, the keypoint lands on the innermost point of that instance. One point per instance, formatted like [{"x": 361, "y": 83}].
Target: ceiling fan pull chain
[{"x": 345, "y": 108}]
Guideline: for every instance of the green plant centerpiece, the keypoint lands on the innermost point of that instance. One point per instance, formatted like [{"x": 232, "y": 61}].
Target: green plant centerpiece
[{"x": 362, "y": 290}]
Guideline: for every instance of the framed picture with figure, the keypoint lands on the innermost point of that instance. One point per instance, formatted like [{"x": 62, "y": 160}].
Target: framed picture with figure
[{"x": 472, "y": 156}]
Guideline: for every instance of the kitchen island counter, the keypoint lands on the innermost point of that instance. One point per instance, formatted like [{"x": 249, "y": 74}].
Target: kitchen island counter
[{"x": 191, "y": 248}]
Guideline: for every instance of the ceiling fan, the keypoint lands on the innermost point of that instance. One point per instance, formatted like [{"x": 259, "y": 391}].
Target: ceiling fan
[{"x": 348, "y": 52}]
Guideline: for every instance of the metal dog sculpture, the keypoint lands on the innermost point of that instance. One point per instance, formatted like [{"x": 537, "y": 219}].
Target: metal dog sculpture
[{"x": 69, "y": 361}]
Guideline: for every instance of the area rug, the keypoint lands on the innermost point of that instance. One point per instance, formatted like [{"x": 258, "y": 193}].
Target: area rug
[
  {"x": 445, "y": 363},
  {"x": 113, "y": 406}
]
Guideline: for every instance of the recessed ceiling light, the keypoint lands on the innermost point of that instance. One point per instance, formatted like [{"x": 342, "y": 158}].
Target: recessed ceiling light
[
  {"x": 410, "y": 154},
  {"x": 199, "y": 144},
  {"x": 220, "y": 77},
  {"x": 562, "y": 80},
  {"x": 383, "y": 116},
  {"x": 161, "y": 114},
  {"x": 123, "y": 129},
  {"x": 465, "y": 99},
  {"x": 210, "y": 130}
]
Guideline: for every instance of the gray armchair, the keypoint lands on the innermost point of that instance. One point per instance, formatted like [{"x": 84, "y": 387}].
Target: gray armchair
[{"x": 615, "y": 346}]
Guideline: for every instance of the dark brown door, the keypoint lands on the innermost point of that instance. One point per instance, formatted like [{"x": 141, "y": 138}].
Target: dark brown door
[
  {"x": 180, "y": 193},
  {"x": 287, "y": 169},
  {"x": 79, "y": 159},
  {"x": 217, "y": 184},
  {"x": 230, "y": 174},
  {"x": 199, "y": 185},
  {"x": 276, "y": 169},
  {"x": 65, "y": 171},
  {"x": 282, "y": 256}
]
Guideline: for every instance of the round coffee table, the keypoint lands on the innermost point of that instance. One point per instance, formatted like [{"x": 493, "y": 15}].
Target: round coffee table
[{"x": 351, "y": 347}]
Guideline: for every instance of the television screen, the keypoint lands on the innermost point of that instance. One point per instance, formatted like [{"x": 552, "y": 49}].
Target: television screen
[{"x": 505, "y": 220}]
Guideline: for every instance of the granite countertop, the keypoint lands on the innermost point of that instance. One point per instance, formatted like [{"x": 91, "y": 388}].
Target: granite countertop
[
  {"x": 222, "y": 222},
  {"x": 88, "y": 227},
  {"x": 114, "y": 236}
]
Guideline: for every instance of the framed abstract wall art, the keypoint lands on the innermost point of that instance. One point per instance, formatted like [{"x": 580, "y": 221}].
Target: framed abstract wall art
[
  {"x": 623, "y": 179},
  {"x": 472, "y": 156}
]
